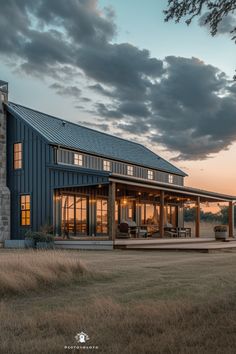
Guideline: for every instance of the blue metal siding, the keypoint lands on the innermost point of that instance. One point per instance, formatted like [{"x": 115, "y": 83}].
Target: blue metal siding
[{"x": 38, "y": 177}]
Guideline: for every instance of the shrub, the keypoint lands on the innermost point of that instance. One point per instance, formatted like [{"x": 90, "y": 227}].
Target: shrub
[{"x": 39, "y": 236}]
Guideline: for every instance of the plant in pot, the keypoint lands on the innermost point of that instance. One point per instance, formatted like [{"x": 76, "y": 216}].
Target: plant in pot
[
  {"x": 221, "y": 232},
  {"x": 41, "y": 240}
]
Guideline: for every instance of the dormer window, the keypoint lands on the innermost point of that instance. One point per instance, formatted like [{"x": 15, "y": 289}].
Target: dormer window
[
  {"x": 171, "y": 179},
  {"x": 106, "y": 165},
  {"x": 78, "y": 159},
  {"x": 130, "y": 170},
  {"x": 17, "y": 151},
  {"x": 150, "y": 174}
]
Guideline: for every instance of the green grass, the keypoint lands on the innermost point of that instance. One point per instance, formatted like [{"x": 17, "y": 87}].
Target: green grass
[{"x": 126, "y": 301}]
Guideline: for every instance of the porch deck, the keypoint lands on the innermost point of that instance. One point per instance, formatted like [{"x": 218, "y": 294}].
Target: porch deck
[{"x": 206, "y": 245}]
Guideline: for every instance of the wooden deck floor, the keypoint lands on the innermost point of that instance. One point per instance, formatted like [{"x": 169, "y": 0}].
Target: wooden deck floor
[{"x": 206, "y": 245}]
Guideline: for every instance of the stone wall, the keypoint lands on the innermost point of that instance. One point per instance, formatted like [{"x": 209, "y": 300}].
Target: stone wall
[{"x": 4, "y": 191}]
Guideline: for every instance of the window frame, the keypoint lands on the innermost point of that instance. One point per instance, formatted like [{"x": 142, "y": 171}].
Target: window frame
[
  {"x": 150, "y": 175},
  {"x": 130, "y": 170},
  {"x": 78, "y": 159},
  {"x": 25, "y": 210},
  {"x": 170, "y": 178},
  {"x": 106, "y": 165},
  {"x": 18, "y": 160}
]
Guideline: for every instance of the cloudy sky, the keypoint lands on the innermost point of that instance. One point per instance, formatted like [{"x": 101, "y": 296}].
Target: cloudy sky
[{"x": 118, "y": 67}]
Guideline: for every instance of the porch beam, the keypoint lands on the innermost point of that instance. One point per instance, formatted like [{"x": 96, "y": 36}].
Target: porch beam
[
  {"x": 231, "y": 219},
  {"x": 197, "y": 228},
  {"x": 162, "y": 205},
  {"x": 111, "y": 211}
]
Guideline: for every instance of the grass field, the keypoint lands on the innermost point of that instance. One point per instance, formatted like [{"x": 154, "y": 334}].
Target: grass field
[{"x": 126, "y": 301}]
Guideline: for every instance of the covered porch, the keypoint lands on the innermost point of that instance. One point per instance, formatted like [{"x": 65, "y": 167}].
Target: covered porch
[{"x": 96, "y": 212}]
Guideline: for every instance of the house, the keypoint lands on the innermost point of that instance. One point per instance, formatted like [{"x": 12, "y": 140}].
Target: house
[{"x": 82, "y": 182}]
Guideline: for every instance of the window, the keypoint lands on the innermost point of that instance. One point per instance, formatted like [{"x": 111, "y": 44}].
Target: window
[
  {"x": 74, "y": 214},
  {"x": 78, "y": 159},
  {"x": 130, "y": 170},
  {"x": 25, "y": 210},
  {"x": 17, "y": 156},
  {"x": 150, "y": 174},
  {"x": 106, "y": 165},
  {"x": 171, "y": 179},
  {"x": 102, "y": 219}
]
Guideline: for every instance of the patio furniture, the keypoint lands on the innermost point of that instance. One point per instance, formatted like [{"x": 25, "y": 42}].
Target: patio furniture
[
  {"x": 123, "y": 230},
  {"x": 184, "y": 231},
  {"x": 171, "y": 233}
]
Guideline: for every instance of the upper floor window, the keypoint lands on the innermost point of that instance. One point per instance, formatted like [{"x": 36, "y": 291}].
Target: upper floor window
[
  {"x": 130, "y": 170},
  {"x": 106, "y": 165},
  {"x": 171, "y": 179},
  {"x": 150, "y": 174},
  {"x": 78, "y": 159},
  {"x": 17, "y": 158},
  {"x": 25, "y": 209}
]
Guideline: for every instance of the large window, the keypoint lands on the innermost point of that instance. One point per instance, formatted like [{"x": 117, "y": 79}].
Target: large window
[
  {"x": 106, "y": 165},
  {"x": 17, "y": 158},
  {"x": 78, "y": 159},
  {"x": 102, "y": 227},
  {"x": 130, "y": 170},
  {"x": 74, "y": 215},
  {"x": 25, "y": 210},
  {"x": 150, "y": 213}
]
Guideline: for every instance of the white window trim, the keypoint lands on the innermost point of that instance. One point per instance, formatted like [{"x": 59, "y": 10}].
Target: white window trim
[
  {"x": 78, "y": 159},
  {"x": 170, "y": 178},
  {"x": 150, "y": 174},
  {"x": 130, "y": 170},
  {"x": 106, "y": 165}
]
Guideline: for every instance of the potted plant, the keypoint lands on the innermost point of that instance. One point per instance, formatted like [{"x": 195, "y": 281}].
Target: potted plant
[
  {"x": 41, "y": 240},
  {"x": 221, "y": 232}
]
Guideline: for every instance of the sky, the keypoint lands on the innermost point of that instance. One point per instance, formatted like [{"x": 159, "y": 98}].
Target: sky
[{"x": 118, "y": 67}]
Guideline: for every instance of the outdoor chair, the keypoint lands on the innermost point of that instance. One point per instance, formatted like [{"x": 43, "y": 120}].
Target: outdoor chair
[{"x": 123, "y": 230}]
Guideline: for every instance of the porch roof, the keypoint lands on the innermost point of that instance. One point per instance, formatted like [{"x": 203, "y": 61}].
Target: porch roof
[{"x": 181, "y": 191}]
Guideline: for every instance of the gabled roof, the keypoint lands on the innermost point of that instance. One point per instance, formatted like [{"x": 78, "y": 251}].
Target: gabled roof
[{"x": 61, "y": 132}]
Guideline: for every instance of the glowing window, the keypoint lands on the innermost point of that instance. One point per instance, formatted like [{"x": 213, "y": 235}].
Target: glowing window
[
  {"x": 150, "y": 174},
  {"x": 130, "y": 170},
  {"x": 25, "y": 208},
  {"x": 17, "y": 156},
  {"x": 171, "y": 179},
  {"x": 106, "y": 165},
  {"x": 78, "y": 159}
]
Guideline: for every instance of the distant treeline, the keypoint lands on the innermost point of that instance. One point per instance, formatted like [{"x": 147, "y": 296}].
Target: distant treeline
[{"x": 220, "y": 217}]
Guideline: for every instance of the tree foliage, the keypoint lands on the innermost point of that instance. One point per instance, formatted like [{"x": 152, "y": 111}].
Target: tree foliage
[
  {"x": 220, "y": 217},
  {"x": 214, "y": 12}
]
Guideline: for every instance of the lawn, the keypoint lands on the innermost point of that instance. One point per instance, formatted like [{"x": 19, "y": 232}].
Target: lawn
[{"x": 126, "y": 301}]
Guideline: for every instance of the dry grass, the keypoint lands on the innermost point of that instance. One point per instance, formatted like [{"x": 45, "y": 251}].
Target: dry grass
[
  {"x": 150, "y": 303},
  {"x": 34, "y": 270},
  {"x": 149, "y": 327}
]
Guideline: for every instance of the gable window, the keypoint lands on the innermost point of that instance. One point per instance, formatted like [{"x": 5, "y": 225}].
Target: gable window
[
  {"x": 106, "y": 165},
  {"x": 78, "y": 159},
  {"x": 130, "y": 170},
  {"x": 150, "y": 174},
  {"x": 25, "y": 209},
  {"x": 17, "y": 158},
  {"x": 171, "y": 179}
]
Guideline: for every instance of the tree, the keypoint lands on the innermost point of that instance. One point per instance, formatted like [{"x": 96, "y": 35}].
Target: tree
[{"x": 214, "y": 12}]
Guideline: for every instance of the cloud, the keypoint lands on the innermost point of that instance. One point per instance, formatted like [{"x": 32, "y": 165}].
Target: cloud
[
  {"x": 178, "y": 103},
  {"x": 71, "y": 91}
]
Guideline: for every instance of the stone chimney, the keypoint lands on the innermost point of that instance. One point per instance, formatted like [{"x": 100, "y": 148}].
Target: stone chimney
[{"x": 4, "y": 191}]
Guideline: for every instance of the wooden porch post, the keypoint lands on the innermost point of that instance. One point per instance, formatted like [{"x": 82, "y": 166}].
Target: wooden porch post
[
  {"x": 197, "y": 230},
  {"x": 231, "y": 219},
  {"x": 162, "y": 204},
  {"x": 111, "y": 211}
]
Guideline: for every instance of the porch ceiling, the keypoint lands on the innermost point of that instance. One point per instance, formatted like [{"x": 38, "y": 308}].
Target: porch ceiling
[{"x": 175, "y": 190}]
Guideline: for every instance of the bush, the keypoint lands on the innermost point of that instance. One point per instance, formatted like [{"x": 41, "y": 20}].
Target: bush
[{"x": 38, "y": 236}]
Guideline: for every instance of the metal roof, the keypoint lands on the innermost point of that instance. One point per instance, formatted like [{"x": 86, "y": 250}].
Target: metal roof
[{"x": 61, "y": 132}]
